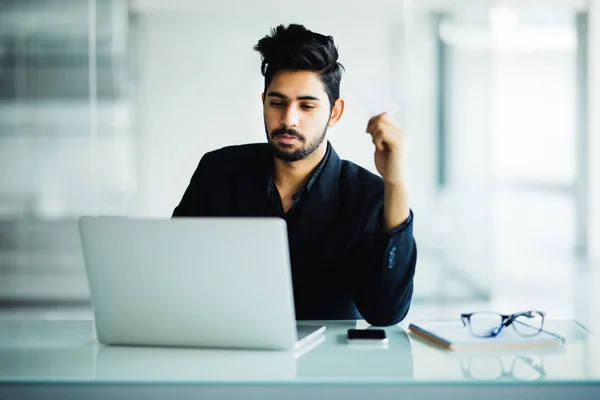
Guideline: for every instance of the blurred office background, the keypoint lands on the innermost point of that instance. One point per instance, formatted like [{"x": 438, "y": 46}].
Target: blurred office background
[{"x": 106, "y": 106}]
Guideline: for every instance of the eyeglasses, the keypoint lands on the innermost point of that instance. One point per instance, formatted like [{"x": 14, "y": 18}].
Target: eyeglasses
[{"x": 490, "y": 324}]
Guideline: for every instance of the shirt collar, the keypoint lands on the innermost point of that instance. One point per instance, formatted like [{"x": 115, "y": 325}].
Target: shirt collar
[{"x": 311, "y": 181}]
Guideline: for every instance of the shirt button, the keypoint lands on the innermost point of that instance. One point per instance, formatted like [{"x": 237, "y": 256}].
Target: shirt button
[{"x": 392, "y": 257}]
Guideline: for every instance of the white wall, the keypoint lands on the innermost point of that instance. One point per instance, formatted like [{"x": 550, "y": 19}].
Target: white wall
[
  {"x": 594, "y": 129},
  {"x": 199, "y": 86},
  {"x": 418, "y": 84},
  {"x": 468, "y": 196}
]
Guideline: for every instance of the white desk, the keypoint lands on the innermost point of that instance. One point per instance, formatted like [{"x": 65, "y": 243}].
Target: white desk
[{"x": 62, "y": 359}]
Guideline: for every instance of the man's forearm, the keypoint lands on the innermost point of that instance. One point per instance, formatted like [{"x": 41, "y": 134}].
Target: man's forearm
[
  {"x": 384, "y": 276},
  {"x": 395, "y": 206}
]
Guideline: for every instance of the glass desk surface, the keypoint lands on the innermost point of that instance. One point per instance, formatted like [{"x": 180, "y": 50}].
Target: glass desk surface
[{"x": 67, "y": 351}]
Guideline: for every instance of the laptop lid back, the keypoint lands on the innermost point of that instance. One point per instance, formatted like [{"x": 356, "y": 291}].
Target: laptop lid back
[{"x": 211, "y": 282}]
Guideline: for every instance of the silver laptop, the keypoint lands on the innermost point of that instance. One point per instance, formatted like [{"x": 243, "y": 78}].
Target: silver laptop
[{"x": 199, "y": 282}]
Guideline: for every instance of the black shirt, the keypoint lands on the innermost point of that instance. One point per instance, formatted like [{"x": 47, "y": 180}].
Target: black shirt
[
  {"x": 344, "y": 266},
  {"x": 274, "y": 207}
]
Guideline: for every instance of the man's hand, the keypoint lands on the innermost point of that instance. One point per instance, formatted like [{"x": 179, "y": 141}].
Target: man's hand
[
  {"x": 389, "y": 160},
  {"x": 389, "y": 148}
]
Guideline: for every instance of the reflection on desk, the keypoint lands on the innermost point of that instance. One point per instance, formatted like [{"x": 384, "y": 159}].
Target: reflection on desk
[
  {"x": 520, "y": 368},
  {"x": 56, "y": 350},
  {"x": 338, "y": 360},
  {"x": 147, "y": 363}
]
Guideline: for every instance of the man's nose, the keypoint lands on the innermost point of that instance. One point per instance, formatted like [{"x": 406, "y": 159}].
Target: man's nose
[{"x": 290, "y": 117}]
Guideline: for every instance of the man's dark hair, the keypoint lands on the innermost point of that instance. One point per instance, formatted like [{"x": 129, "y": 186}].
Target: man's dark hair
[{"x": 295, "y": 48}]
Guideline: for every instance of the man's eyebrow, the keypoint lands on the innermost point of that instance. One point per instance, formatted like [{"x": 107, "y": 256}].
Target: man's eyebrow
[{"x": 284, "y": 97}]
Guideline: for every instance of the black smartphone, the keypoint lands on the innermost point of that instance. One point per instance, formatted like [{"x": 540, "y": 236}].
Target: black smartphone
[{"x": 367, "y": 336}]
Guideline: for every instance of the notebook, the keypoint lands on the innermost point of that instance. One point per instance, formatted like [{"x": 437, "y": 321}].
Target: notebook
[{"x": 451, "y": 334}]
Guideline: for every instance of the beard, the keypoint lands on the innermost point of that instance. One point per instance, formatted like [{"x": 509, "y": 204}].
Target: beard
[{"x": 285, "y": 152}]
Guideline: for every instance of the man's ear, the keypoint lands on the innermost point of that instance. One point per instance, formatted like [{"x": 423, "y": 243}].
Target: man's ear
[
  {"x": 263, "y": 97},
  {"x": 336, "y": 112}
]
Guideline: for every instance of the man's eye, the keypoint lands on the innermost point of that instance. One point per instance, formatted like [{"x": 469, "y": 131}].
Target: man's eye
[
  {"x": 308, "y": 107},
  {"x": 276, "y": 104}
]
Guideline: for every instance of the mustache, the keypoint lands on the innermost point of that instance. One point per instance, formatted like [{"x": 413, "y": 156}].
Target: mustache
[{"x": 284, "y": 131}]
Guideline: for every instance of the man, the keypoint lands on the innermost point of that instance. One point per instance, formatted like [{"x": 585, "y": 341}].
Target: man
[{"x": 350, "y": 232}]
